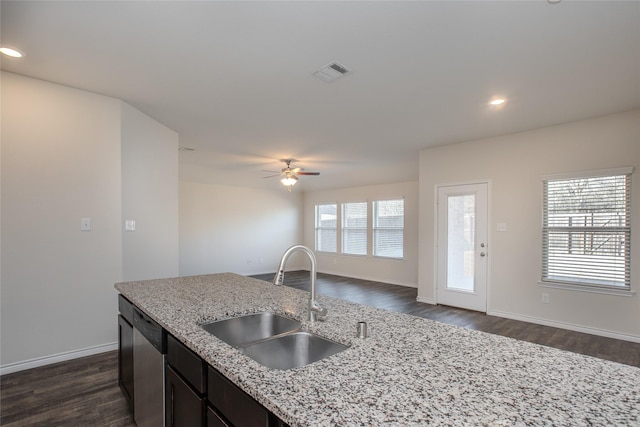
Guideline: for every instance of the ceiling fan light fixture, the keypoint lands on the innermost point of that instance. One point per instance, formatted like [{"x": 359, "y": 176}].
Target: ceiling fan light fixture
[
  {"x": 289, "y": 180},
  {"x": 288, "y": 175}
]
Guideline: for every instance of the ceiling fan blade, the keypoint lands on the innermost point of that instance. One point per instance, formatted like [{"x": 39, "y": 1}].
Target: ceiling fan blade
[
  {"x": 269, "y": 171},
  {"x": 296, "y": 170},
  {"x": 271, "y": 176},
  {"x": 308, "y": 173}
]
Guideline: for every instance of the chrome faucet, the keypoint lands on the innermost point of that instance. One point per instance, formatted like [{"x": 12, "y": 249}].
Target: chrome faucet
[{"x": 316, "y": 312}]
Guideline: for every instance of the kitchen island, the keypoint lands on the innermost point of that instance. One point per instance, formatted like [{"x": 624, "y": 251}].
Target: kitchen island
[{"x": 408, "y": 371}]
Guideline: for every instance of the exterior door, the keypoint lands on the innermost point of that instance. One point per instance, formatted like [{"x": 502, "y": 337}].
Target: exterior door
[{"x": 462, "y": 249}]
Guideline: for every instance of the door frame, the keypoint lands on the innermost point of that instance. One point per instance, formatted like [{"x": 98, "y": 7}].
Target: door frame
[{"x": 436, "y": 234}]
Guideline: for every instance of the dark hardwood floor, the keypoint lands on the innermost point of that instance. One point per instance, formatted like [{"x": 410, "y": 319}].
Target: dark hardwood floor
[{"x": 84, "y": 392}]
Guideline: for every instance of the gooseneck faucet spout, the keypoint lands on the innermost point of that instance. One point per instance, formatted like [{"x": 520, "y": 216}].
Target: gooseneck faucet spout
[{"x": 315, "y": 310}]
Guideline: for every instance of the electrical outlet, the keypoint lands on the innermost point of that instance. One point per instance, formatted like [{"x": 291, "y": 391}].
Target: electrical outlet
[{"x": 545, "y": 298}]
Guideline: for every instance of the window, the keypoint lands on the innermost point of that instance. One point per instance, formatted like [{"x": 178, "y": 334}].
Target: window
[
  {"x": 388, "y": 228},
  {"x": 354, "y": 228},
  {"x": 587, "y": 230},
  {"x": 326, "y": 223}
]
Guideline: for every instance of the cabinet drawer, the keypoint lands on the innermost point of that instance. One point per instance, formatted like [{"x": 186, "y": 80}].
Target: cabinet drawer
[
  {"x": 187, "y": 363},
  {"x": 126, "y": 308},
  {"x": 236, "y": 405}
]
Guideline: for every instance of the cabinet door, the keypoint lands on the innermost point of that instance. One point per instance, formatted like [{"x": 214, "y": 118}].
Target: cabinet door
[
  {"x": 125, "y": 360},
  {"x": 234, "y": 404},
  {"x": 183, "y": 406}
]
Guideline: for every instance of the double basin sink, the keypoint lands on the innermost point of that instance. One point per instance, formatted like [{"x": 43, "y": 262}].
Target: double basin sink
[{"x": 273, "y": 340}]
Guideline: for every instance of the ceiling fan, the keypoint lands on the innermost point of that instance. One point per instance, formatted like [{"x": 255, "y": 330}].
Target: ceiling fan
[{"x": 289, "y": 174}]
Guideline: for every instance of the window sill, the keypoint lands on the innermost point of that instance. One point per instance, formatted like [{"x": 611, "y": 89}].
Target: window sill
[
  {"x": 588, "y": 289},
  {"x": 386, "y": 258}
]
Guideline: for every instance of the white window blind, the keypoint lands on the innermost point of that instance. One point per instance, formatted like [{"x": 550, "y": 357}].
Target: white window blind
[
  {"x": 388, "y": 228},
  {"x": 354, "y": 228},
  {"x": 587, "y": 230},
  {"x": 326, "y": 227}
]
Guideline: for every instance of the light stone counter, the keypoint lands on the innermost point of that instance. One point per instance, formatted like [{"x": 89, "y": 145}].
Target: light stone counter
[{"x": 410, "y": 371}]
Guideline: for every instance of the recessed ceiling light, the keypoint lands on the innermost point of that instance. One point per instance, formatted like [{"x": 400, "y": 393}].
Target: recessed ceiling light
[
  {"x": 498, "y": 101},
  {"x": 11, "y": 52}
]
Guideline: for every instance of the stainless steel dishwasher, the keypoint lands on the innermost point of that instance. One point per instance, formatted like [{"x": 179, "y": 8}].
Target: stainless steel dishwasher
[{"x": 149, "y": 350}]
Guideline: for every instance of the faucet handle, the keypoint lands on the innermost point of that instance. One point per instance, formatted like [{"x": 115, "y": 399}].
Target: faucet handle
[{"x": 316, "y": 311}]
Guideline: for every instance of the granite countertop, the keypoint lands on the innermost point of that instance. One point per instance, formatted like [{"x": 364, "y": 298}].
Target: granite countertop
[{"x": 409, "y": 371}]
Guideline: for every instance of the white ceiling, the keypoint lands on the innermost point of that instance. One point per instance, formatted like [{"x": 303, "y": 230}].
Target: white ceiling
[{"x": 234, "y": 79}]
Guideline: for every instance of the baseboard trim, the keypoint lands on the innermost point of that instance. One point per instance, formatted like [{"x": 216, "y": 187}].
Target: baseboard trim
[
  {"x": 55, "y": 358},
  {"x": 564, "y": 325},
  {"x": 427, "y": 300},
  {"x": 368, "y": 278}
]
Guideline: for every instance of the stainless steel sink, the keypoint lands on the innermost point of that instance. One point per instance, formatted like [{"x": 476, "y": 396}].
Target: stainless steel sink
[
  {"x": 242, "y": 330},
  {"x": 292, "y": 350},
  {"x": 272, "y": 340}
]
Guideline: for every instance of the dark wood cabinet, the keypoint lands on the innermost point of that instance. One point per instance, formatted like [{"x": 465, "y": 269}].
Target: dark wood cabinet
[
  {"x": 190, "y": 383},
  {"x": 235, "y": 405},
  {"x": 184, "y": 407},
  {"x": 190, "y": 366},
  {"x": 185, "y": 386},
  {"x": 125, "y": 351}
]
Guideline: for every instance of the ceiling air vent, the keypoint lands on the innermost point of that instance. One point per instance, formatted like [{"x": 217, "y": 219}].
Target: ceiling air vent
[{"x": 331, "y": 72}]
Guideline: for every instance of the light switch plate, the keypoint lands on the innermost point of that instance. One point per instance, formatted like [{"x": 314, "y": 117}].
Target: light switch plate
[
  {"x": 130, "y": 225},
  {"x": 85, "y": 224},
  {"x": 502, "y": 226}
]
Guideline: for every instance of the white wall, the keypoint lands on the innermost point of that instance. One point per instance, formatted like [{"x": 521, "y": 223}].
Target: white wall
[
  {"x": 401, "y": 272},
  {"x": 60, "y": 162},
  {"x": 69, "y": 154},
  {"x": 237, "y": 229},
  {"x": 149, "y": 196},
  {"x": 514, "y": 164}
]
